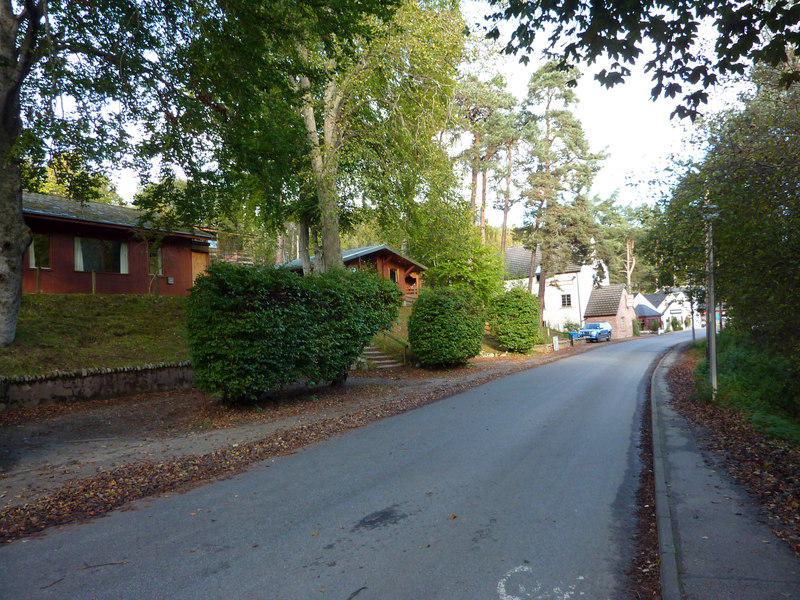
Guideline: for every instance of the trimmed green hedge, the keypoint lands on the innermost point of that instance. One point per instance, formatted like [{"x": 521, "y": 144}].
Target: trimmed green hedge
[
  {"x": 257, "y": 329},
  {"x": 514, "y": 320},
  {"x": 446, "y": 326}
]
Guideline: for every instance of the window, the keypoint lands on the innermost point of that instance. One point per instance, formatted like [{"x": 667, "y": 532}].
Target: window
[
  {"x": 393, "y": 275},
  {"x": 39, "y": 251},
  {"x": 101, "y": 256},
  {"x": 566, "y": 300},
  {"x": 154, "y": 256}
]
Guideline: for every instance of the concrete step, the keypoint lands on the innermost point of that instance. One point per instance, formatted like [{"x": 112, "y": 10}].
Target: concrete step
[{"x": 379, "y": 359}]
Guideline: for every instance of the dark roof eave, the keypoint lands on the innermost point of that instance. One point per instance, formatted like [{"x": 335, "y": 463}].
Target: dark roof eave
[{"x": 181, "y": 234}]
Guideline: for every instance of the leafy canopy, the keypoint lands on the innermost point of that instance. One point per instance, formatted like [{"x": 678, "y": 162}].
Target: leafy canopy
[{"x": 583, "y": 31}]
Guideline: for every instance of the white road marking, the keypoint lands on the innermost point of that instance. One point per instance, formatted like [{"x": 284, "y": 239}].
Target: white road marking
[{"x": 519, "y": 584}]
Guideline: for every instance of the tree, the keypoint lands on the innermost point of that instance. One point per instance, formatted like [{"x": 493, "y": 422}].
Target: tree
[
  {"x": 67, "y": 174},
  {"x": 90, "y": 53},
  {"x": 77, "y": 75},
  {"x": 348, "y": 121},
  {"x": 479, "y": 103},
  {"x": 510, "y": 131},
  {"x": 622, "y": 230},
  {"x": 584, "y": 31},
  {"x": 561, "y": 169},
  {"x": 748, "y": 183}
]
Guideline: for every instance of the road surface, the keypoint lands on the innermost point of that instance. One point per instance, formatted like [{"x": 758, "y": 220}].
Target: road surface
[{"x": 521, "y": 488}]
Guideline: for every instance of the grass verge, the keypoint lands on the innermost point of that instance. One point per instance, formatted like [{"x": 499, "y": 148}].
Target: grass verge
[
  {"x": 64, "y": 332},
  {"x": 761, "y": 384}
]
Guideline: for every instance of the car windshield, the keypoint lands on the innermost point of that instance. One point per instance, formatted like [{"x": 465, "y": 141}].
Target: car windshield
[{"x": 592, "y": 326}]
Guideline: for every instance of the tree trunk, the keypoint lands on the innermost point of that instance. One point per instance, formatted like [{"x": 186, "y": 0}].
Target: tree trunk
[
  {"x": 323, "y": 166},
  {"x": 630, "y": 261},
  {"x": 15, "y": 236},
  {"x": 302, "y": 245},
  {"x": 507, "y": 203},
  {"x": 473, "y": 190},
  {"x": 532, "y": 274},
  {"x": 279, "y": 251},
  {"x": 483, "y": 207},
  {"x": 542, "y": 287},
  {"x": 319, "y": 256}
]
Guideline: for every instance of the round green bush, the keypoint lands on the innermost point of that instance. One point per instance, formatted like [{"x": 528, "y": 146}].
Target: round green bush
[
  {"x": 514, "y": 320},
  {"x": 446, "y": 326}
]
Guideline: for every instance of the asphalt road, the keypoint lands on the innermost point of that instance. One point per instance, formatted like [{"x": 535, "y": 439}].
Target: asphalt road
[{"x": 521, "y": 488}]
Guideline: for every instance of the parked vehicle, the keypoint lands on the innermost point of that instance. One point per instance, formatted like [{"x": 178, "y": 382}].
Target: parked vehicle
[{"x": 596, "y": 331}]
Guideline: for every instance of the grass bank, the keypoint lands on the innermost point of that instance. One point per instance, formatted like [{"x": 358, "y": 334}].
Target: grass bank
[
  {"x": 64, "y": 332},
  {"x": 759, "y": 383}
]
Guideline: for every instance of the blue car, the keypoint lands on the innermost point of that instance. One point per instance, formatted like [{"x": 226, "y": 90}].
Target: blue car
[{"x": 596, "y": 332}]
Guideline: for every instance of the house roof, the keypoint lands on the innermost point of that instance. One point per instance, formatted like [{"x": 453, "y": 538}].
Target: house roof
[
  {"x": 656, "y": 299},
  {"x": 518, "y": 263},
  {"x": 95, "y": 212},
  {"x": 356, "y": 253},
  {"x": 605, "y": 300},
  {"x": 644, "y": 310}
]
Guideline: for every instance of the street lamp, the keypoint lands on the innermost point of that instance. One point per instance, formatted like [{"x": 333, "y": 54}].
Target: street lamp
[{"x": 710, "y": 212}]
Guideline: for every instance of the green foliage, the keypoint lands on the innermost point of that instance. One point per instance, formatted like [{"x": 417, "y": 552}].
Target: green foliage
[
  {"x": 514, "y": 320},
  {"x": 620, "y": 242},
  {"x": 582, "y": 32},
  {"x": 446, "y": 326},
  {"x": 747, "y": 184},
  {"x": 252, "y": 329},
  {"x": 676, "y": 324},
  {"x": 481, "y": 271},
  {"x": 571, "y": 326},
  {"x": 760, "y": 383},
  {"x": 637, "y": 329},
  {"x": 68, "y": 174}
]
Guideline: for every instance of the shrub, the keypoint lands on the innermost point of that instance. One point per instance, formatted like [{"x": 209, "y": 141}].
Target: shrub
[
  {"x": 654, "y": 326},
  {"x": 637, "y": 328},
  {"x": 257, "y": 329},
  {"x": 569, "y": 325},
  {"x": 446, "y": 326},
  {"x": 676, "y": 324},
  {"x": 755, "y": 380},
  {"x": 514, "y": 320}
]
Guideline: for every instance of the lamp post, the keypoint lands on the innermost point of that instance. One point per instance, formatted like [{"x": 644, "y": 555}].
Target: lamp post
[{"x": 709, "y": 214}]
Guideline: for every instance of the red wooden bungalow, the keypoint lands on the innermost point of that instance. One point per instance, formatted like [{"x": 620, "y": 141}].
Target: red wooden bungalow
[
  {"x": 389, "y": 264},
  {"x": 88, "y": 247}
]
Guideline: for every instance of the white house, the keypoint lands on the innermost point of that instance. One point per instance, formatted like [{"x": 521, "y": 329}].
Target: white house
[
  {"x": 566, "y": 294},
  {"x": 670, "y": 303}
]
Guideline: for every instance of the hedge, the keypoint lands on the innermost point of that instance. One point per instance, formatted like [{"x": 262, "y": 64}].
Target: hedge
[
  {"x": 514, "y": 320},
  {"x": 446, "y": 326},
  {"x": 257, "y": 329}
]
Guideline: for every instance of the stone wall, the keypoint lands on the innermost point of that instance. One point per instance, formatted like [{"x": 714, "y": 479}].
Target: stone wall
[{"x": 93, "y": 384}]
